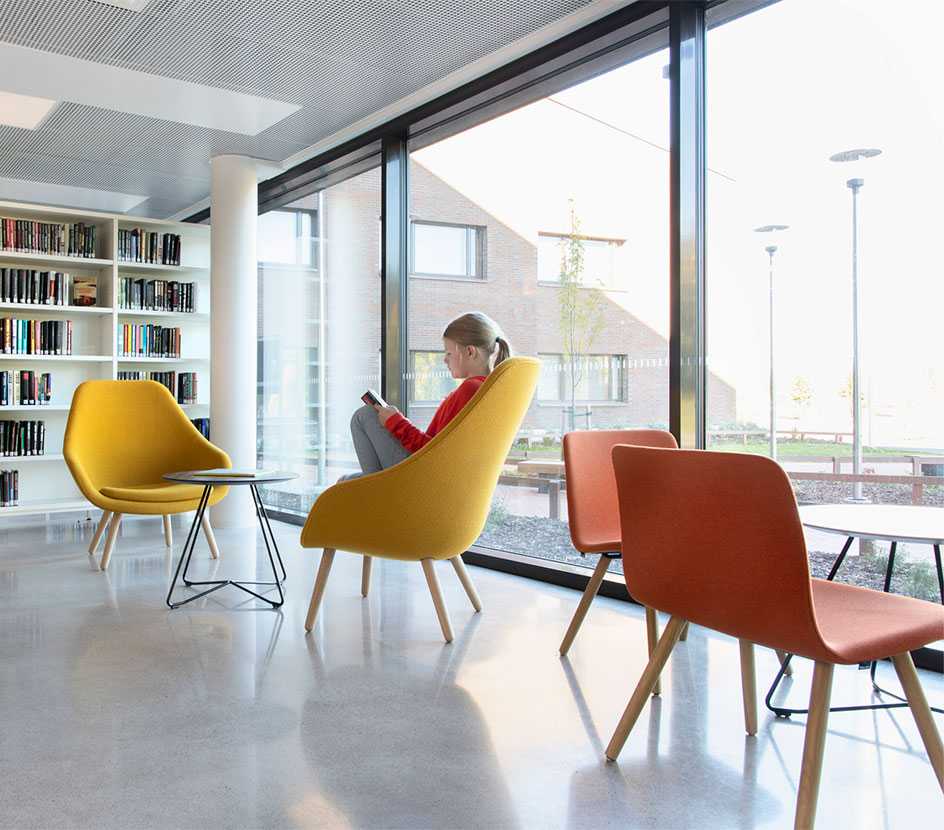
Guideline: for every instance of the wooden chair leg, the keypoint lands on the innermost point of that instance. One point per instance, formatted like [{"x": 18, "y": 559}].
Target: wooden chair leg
[
  {"x": 102, "y": 524},
  {"x": 781, "y": 656},
  {"x": 110, "y": 540},
  {"x": 583, "y": 606},
  {"x": 813, "y": 744},
  {"x": 327, "y": 559},
  {"x": 365, "y": 575},
  {"x": 211, "y": 539},
  {"x": 168, "y": 532},
  {"x": 466, "y": 581},
  {"x": 684, "y": 635},
  {"x": 904, "y": 666},
  {"x": 748, "y": 686},
  {"x": 433, "y": 581},
  {"x": 652, "y": 636},
  {"x": 644, "y": 688}
]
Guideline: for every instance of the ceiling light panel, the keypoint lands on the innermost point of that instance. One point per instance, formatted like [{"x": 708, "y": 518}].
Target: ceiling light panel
[{"x": 23, "y": 111}]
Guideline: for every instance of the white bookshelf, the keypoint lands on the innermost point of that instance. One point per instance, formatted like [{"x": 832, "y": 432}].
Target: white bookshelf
[{"x": 45, "y": 483}]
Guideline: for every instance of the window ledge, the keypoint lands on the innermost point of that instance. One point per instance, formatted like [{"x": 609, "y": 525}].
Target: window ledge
[{"x": 448, "y": 278}]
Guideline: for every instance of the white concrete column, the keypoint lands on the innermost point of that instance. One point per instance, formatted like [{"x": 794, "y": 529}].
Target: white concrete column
[{"x": 233, "y": 323}]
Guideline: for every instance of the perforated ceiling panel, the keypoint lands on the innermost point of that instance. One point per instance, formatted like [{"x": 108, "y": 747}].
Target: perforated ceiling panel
[{"x": 339, "y": 60}]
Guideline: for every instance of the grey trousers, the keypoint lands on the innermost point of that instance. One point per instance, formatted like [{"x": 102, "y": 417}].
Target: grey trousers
[{"x": 376, "y": 448}]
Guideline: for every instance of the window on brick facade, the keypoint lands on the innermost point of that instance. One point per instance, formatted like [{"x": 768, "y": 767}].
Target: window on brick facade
[
  {"x": 599, "y": 378},
  {"x": 429, "y": 379},
  {"x": 439, "y": 249},
  {"x": 600, "y": 260}
]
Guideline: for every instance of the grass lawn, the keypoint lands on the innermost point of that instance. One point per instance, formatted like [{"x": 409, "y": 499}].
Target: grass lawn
[{"x": 787, "y": 448}]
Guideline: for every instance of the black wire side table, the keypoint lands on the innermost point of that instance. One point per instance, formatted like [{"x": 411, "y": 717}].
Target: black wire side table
[
  {"x": 272, "y": 549},
  {"x": 894, "y": 523}
]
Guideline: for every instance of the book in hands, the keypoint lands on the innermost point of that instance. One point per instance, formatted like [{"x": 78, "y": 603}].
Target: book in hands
[{"x": 372, "y": 398}]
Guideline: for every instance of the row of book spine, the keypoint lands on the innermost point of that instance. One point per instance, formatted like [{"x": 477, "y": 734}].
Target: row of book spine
[
  {"x": 139, "y": 245},
  {"x": 9, "y": 488},
  {"x": 156, "y": 295},
  {"x": 203, "y": 425},
  {"x": 23, "y": 437},
  {"x": 149, "y": 340},
  {"x": 20, "y": 285},
  {"x": 183, "y": 385},
  {"x": 18, "y": 336},
  {"x": 52, "y": 238},
  {"x": 24, "y": 387}
]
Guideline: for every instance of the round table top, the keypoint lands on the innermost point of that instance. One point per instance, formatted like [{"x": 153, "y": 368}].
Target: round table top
[
  {"x": 260, "y": 477},
  {"x": 889, "y": 522}
]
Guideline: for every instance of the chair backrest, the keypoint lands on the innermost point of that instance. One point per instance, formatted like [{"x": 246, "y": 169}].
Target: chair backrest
[
  {"x": 592, "y": 502},
  {"x": 126, "y": 432},
  {"x": 716, "y": 538},
  {"x": 437, "y": 500}
]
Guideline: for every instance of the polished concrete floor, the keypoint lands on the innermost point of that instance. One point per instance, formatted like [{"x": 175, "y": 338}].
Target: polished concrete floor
[{"x": 118, "y": 713}]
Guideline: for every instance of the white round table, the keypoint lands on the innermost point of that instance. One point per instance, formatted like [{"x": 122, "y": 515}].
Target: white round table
[{"x": 914, "y": 524}]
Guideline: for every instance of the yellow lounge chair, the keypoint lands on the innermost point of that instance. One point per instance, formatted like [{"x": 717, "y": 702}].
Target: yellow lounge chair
[
  {"x": 121, "y": 437},
  {"x": 434, "y": 504}
]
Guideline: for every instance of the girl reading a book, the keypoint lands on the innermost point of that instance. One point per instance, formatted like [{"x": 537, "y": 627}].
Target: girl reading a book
[{"x": 473, "y": 345}]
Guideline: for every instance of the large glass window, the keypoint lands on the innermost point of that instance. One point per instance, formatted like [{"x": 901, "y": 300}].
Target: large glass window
[
  {"x": 822, "y": 191},
  {"x": 565, "y": 230},
  {"x": 319, "y": 334}
]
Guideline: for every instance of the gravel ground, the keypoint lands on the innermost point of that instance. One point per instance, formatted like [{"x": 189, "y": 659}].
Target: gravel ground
[{"x": 550, "y": 539}]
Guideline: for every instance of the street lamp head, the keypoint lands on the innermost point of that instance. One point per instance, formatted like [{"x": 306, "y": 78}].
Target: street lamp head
[
  {"x": 771, "y": 228},
  {"x": 771, "y": 249},
  {"x": 856, "y": 154},
  {"x": 855, "y": 184}
]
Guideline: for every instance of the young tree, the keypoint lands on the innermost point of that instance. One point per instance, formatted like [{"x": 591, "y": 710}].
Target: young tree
[
  {"x": 801, "y": 393},
  {"x": 581, "y": 311}
]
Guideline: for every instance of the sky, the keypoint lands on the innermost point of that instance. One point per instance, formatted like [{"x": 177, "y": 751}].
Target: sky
[{"x": 787, "y": 87}]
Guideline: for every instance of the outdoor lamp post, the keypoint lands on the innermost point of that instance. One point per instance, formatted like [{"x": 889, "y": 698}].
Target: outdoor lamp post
[
  {"x": 855, "y": 185},
  {"x": 771, "y": 250}
]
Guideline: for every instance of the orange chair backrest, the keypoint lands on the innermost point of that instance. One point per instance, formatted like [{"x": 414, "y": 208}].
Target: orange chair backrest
[
  {"x": 592, "y": 503},
  {"x": 716, "y": 538}
]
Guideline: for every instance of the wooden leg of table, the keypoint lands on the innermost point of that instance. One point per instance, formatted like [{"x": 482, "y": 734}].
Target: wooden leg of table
[
  {"x": 644, "y": 688},
  {"x": 365, "y": 575},
  {"x": 327, "y": 558},
  {"x": 211, "y": 539},
  {"x": 748, "y": 686},
  {"x": 922, "y": 713},
  {"x": 652, "y": 637},
  {"x": 168, "y": 532},
  {"x": 102, "y": 524},
  {"x": 433, "y": 581},
  {"x": 588, "y": 594},
  {"x": 466, "y": 581},
  {"x": 684, "y": 635},
  {"x": 782, "y": 656},
  {"x": 813, "y": 745},
  {"x": 110, "y": 540}
]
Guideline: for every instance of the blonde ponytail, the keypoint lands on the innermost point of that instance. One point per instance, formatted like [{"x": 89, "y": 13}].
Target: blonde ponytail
[{"x": 479, "y": 330}]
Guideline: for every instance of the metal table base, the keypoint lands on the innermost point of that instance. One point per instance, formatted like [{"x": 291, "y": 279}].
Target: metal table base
[{"x": 187, "y": 554}]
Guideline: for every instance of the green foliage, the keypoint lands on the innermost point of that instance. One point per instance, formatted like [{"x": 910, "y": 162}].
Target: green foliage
[
  {"x": 920, "y": 581},
  {"x": 801, "y": 392},
  {"x": 581, "y": 309},
  {"x": 498, "y": 514}
]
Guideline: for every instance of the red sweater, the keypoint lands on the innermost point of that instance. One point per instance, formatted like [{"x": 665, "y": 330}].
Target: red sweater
[{"x": 412, "y": 438}]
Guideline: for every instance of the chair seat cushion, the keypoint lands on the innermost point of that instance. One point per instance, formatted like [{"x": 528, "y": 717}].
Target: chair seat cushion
[
  {"x": 157, "y": 492},
  {"x": 859, "y": 624}
]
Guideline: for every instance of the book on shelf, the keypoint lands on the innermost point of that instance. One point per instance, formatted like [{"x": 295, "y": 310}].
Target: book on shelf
[
  {"x": 143, "y": 294},
  {"x": 183, "y": 385},
  {"x": 28, "y": 236},
  {"x": 30, "y": 287},
  {"x": 149, "y": 340},
  {"x": 140, "y": 245},
  {"x": 9, "y": 488},
  {"x": 84, "y": 290},
  {"x": 22, "y": 438},
  {"x": 24, "y": 387},
  {"x": 202, "y": 425},
  {"x": 52, "y": 337}
]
